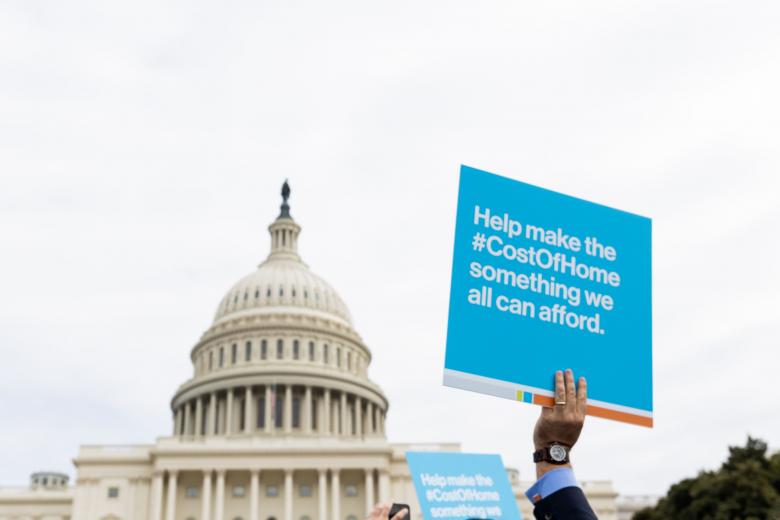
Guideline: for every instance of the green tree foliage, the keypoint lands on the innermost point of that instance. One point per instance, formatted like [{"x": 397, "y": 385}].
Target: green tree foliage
[{"x": 746, "y": 487}]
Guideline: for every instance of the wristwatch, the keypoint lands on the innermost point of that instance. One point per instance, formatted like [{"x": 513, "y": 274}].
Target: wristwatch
[{"x": 556, "y": 453}]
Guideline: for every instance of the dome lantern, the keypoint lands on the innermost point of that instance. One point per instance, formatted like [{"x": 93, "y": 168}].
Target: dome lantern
[{"x": 284, "y": 232}]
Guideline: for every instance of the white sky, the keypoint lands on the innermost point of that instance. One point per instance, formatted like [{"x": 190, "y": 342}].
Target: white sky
[{"x": 142, "y": 147}]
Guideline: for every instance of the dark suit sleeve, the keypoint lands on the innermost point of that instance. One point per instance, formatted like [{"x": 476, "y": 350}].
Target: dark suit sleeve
[{"x": 568, "y": 503}]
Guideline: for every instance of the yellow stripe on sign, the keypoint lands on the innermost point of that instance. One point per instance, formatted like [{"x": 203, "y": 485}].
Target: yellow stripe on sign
[{"x": 519, "y": 395}]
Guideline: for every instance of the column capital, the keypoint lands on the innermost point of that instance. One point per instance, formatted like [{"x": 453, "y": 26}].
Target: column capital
[
  {"x": 208, "y": 472},
  {"x": 335, "y": 471},
  {"x": 220, "y": 472},
  {"x": 173, "y": 472},
  {"x": 254, "y": 472},
  {"x": 288, "y": 471}
]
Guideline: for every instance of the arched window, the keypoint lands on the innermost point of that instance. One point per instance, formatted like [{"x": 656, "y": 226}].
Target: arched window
[
  {"x": 279, "y": 349},
  {"x": 296, "y": 349}
]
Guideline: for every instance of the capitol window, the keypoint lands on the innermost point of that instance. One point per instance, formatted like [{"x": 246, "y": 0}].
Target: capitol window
[
  {"x": 304, "y": 490},
  {"x": 296, "y": 349},
  {"x": 221, "y": 356},
  {"x": 279, "y": 349},
  {"x": 261, "y": 412},
  {"x": 263, "y": 349},
  {"x": 296, "y": 412},
  {"x": 211, "y": 359},
  {"x": 349, "y": 361},
  {"x": 350, "y": 490},
  {"x": 234, "y": 353},
  {"x": 191, "y": 492},
  {"x": 257, "y": 294},
  {"x": 271, "y": 491},
  {"x": 311, "y": 351},
  {"x": 325, "y": 354},
  {"x": 338, "y": 357},
  {"x": 278, "y": 410},
  {"x": 248, "y": 355},
  {"x": 239, "y": 491},
  {"x": 113, "y": 492}
]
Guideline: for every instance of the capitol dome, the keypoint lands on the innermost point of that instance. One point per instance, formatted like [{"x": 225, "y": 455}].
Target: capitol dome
[
  {"x": 281, "y": 357},
  {"x": 280, "y": 283}
]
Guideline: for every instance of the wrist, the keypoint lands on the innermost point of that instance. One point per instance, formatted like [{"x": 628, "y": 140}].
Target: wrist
[{"x": 545, "y": 467}]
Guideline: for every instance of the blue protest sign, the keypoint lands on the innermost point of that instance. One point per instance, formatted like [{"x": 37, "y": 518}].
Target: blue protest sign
[
  {"x": 454, "y": 486},
  {"x": 543, "y": 281}
]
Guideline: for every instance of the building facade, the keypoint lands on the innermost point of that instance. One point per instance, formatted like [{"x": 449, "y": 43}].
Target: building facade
[{"x": 278, "y": 421}]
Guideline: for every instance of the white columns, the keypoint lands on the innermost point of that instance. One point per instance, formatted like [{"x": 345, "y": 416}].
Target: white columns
[
  {"x": 211, "y": 423},
  {"x": 343, "y": 411},
  {"x": 336, "y": 496},
  {"x": 155, "y": 504},
  {"x": 358, "y": 416},
  {"x": 219, "y": 506},
  {"x": 187, "y": 418},
  {"x": 248, "y": 422},
  {"x": 268, "y": 405},
  {"x": 288, "y": 493},
  {"x": 254, "y": 495},
  {"x": 369, "y": 490},
  {"x": 205, "y": 513},
  {"x": 288, "y": 389},
  {"x": 132, "y": 493},
  {"x": 170, "y": 508},
  {"x": 325, "y": 417},
  {"x": 384, "y": 485},
  {"x": 229, "y": 413},
  {"x": 306, "y": 423},
  {"x": 322, "y": 494},
  {"x": 198, "y": 416}
]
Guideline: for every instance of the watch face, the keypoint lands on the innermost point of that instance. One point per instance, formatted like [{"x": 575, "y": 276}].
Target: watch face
[{"x": 558, "y": 453}]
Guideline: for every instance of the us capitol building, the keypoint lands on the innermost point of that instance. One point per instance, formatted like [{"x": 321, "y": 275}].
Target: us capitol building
[{"x": 279, "y": 421}]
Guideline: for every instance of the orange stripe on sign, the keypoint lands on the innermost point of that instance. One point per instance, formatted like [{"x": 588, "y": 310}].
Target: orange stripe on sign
[{"x": 598, "y": 411}]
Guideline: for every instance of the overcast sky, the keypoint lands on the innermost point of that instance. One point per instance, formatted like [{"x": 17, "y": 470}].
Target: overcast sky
[{"x": 143, "y": 145}]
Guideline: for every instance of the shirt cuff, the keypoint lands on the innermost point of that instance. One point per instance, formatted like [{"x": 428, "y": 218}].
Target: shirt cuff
[{"x": 551, "y": 482}]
